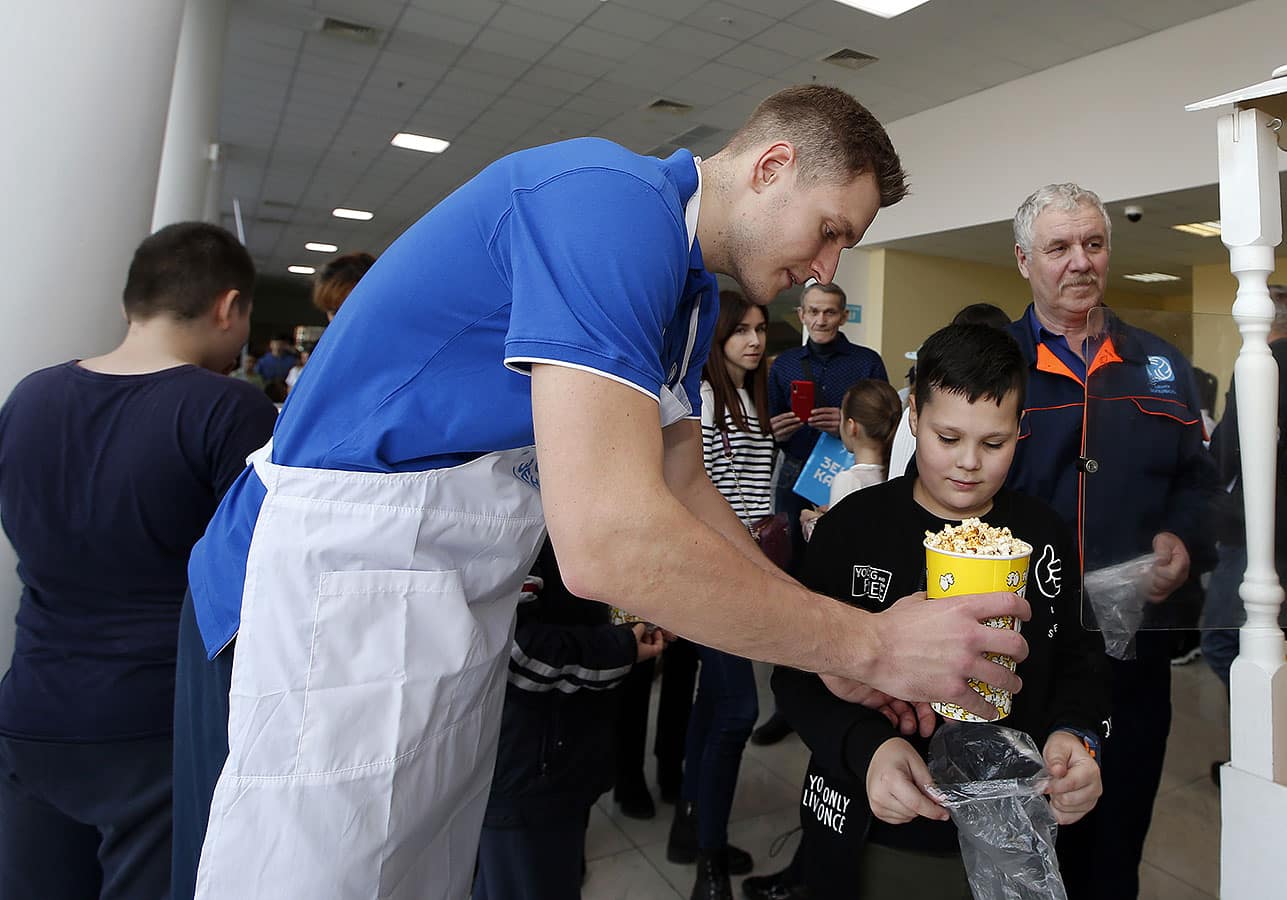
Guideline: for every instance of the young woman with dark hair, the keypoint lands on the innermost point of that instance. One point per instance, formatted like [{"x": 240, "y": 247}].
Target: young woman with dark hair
[{"x": 738, "y": 449}]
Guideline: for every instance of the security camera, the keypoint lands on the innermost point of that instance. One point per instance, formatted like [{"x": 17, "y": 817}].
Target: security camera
[{"x": 1134, "y": 213}]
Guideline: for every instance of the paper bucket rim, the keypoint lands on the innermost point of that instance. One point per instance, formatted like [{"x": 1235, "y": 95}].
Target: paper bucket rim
[{"x": 955, "y": 555}]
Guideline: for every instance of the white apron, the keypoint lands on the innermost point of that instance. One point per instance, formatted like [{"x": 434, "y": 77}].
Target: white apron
[{"x": 368, "y": 680}]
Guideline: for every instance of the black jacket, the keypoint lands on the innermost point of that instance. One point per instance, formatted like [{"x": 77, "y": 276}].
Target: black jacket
[
  {"x": 1227, "y": 450},
  {"x": 556, "y": 751},
  {"x": 868, "y": 551}
]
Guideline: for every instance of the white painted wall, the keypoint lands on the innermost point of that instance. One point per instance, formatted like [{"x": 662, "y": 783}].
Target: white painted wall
[
  {"x": 84, "y": 87},
  {"x": 1113, "y": 121}
]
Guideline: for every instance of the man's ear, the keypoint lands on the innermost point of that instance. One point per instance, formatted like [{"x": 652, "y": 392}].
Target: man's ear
[
  {"x": 772, "y": 163},
  {"x": 226, "y": 308},
  {"x": 911, "y": 413},
  {"x": 1021, "y": 259}
]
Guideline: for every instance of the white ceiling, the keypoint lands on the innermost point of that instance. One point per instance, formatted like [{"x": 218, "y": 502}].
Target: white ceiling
[{"x": 307, "y": 116}]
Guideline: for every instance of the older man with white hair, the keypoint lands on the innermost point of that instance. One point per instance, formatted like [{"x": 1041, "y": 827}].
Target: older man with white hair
[{"x": 1112, "y": 438}]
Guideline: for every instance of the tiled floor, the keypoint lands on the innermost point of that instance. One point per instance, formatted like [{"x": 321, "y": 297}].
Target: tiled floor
[{"x": 1181, "y": 859}]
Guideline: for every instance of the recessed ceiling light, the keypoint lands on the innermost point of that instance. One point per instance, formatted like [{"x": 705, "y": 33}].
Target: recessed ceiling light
[
  {"x": 1152, "y": 276},
  {"x": 886, "y": 9},
  {"x": 320, "y": 248},
  {"x": 423, "y": 143},
  {"x": 300, "y": 270},
  {"x": 1201, "y": 229},
  {"x": 360, "y": 214}
]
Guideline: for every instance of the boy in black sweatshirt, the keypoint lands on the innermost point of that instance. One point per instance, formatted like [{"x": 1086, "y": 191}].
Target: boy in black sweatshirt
[{"x": 870, "y": 831}]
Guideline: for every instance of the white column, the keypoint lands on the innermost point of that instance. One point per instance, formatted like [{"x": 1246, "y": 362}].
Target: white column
[
  {"x": 84, "y": 88},
  {"x": 1253, "y": 796},
  {"x": 193, "y": 119}
]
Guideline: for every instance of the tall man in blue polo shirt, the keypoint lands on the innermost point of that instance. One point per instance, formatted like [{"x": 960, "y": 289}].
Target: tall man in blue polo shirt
[
  {"x": 1112, "y": 438},
  {"x": 369, "y": 563}
]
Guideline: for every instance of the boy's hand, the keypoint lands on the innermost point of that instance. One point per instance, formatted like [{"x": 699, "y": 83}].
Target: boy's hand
[
  {"x": 1075, "y": 783},
  {"x": 648, "y": 644},
  {"x": 1170, "y": 566},
  {"x": 784, "y": 425},
  {"x": 894, "y": 781},
  {"x": 826, "y": 418},
  {"x": 908, "y": 718},
  {"x": 926, "y": 650}
]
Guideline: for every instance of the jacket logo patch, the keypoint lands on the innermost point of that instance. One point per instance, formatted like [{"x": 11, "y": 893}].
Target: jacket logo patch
[
  {"x": 1049, "y": 573},
  {"x": 1159, "y": 370},
  {"x": 871, "y": 583}
]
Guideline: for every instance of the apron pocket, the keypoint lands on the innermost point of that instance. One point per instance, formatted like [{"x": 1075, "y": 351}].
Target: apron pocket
[{"x": 389, "y": 652}]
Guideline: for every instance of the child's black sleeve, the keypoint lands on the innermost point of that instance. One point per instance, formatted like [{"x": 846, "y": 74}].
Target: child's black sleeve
[
  {"x": 843, "y": 736},
  {"x": 1080, "y": 696},
  {"x": 568, "y": 658}
]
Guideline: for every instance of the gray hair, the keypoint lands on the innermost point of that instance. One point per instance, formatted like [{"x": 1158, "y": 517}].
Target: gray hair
[
  {"x": 1066, "y": 197},
  {"x": 831, "y": 290}
]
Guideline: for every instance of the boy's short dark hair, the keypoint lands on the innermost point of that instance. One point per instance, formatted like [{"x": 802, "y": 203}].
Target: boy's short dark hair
[
  {"x": 982, "y": 314},
  {"x": 973, "y": 361},
  {"x": 181, "y": 269}
]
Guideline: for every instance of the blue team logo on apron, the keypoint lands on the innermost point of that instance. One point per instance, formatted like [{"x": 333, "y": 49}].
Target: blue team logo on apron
[
  {"x": 528, "y": 473},
  {"x": 1159, "y": 370}
]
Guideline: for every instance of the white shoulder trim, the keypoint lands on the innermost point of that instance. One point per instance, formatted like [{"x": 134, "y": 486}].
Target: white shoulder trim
[{"x": 511, "y": 363}]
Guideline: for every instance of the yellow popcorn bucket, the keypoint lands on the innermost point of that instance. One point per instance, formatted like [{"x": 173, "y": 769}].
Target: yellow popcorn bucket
[{"x": 954, "y": 574}]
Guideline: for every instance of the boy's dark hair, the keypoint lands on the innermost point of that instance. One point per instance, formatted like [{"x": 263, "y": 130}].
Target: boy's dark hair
[
  {"x": 181, "y": 269},
  {"x": 973, "y": 361},
  {"x": 835, "y": 137},
  {"x": 982, "y": 314}
]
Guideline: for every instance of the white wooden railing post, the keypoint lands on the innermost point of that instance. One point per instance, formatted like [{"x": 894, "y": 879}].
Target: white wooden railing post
[{"x": 1253, "y": 799}]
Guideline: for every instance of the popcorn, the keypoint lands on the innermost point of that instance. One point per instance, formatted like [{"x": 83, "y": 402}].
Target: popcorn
[{"x": 976, "y": 538}]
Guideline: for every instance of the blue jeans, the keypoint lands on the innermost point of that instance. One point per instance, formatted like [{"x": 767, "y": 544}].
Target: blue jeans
[
  {"x": 1223, "y": 613},
  {"x": 84, "y": 821},
  {"x": 723, "y": 716}
]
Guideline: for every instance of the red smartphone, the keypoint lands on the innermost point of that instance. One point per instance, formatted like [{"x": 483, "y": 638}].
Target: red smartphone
[{"x": 802, "y": 399}]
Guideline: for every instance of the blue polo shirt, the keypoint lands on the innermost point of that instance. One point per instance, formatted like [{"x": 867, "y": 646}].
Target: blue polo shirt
[{"x": 575, "y": 254}]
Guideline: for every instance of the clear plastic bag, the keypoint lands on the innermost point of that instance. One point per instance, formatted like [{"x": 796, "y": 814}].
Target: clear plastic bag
[
  {"x": 992, "y": 780},
  {"x": 1117, "y": 596}
]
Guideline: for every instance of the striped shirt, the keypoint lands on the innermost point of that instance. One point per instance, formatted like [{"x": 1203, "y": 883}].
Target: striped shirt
[{"x": 744, "y": 478}]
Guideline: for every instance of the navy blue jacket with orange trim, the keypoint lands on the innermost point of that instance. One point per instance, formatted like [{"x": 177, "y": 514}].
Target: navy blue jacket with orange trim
[{"x": 1136, "y": 423}]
